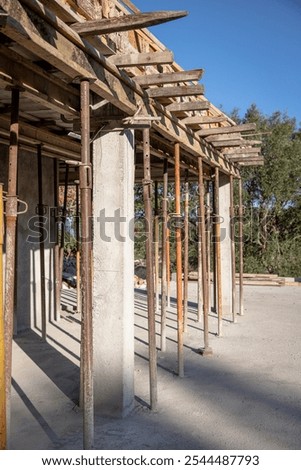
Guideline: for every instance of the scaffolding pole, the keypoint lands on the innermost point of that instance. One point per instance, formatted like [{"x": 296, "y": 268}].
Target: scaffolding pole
[
  {"x": 41, "y": 243},
  {"x": 241, "y": 249},
  {"x": 217, "y": 241},
  {"x": 206, "y": 351},
  {"x": 147, "y": 196},
  {"x": 10, "y": 261},
  {"x": 208, "y": 243},
  {"x": 179, "y": 261},
  {"x": 156, "y": 246},
  {"x": 85, "y": 181},
  {"x": 164, "y": 257},
  {"x": 57, "y": 312},
  {"x": 77, "y": 231},
  {"x": 2, "y": 340},
  {"x": 232, "y": 234},
  {"x": 186, "y": 250}
]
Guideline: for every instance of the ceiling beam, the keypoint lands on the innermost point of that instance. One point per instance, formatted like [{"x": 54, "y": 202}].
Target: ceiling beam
[
  {"x": 203, "y": 120},
  {"x": 143, "y": 58},
  {"x": 188, "y": 106},
  {"x": 227, "y": 130},
  {"x": 126, "y": 22},
  {"x": 165, "y": 78},
  {"x": 174, "y": 91}
]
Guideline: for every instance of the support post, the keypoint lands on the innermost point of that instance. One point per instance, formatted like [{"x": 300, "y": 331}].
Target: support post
[
  {"x": 179, "y": 262},
  {"x": 208, "y": 243},
  {"x": 156, "y": 246},
  {"x": 85, "y": 179},
  {"x": 217, "y": 241},
  {"x": 77, "y": 231},
  {"x": 241, "y": 249},
  {"x": 200, "y": 260},
  {"x": 232, "y": 234},
  {"x": 206, "y": 351},
  {"x": 11, "y": 226},
  {"x": 57, "y": 270},
  {"x": 186, "y": 251},
  {"x": 164, "y": 257},
  {"x": 147, "y": 190},
  {"x": 168, "y": 262},
  {"x": 41, "y": 245},
  {"x": 2, "y": 340}
]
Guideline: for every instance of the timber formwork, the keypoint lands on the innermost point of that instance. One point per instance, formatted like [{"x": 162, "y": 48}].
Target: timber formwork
[{"x": 70, "y": 71}]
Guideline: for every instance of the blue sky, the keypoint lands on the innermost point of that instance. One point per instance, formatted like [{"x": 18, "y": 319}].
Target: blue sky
[{"x": 250, "y": 50}]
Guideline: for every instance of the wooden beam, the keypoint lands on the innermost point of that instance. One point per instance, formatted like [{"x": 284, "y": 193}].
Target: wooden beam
[
  {"x": 227, "y": 130},
  {"x": 235, "y": 143},
  {"x": 252, "y": 163},
  {"x": 165, "y": 78},
  {"x": 242, "y": 158},
  {"x": 126, "y": 22},
  {"x": 234, "y": 152},
  {"x": 143, "y": 58},
  {"x": 203, "y": 120},
  {"x": 173, "y": 91},
  {"x": 188, "y": 106},
  {"x": 217, "y": 138}
]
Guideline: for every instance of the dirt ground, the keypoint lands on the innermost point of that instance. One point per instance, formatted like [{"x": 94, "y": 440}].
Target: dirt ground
[{"x": 246, "y": 396}]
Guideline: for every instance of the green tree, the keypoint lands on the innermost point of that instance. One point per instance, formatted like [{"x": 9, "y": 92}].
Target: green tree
[{"x": 272, "y": 197}]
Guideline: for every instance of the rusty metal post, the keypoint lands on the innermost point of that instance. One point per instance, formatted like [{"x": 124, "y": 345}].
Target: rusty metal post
[
  {"x": 147, "y": 196},
  {"x": 11, "y": 226},
  {"x": 164, "y": 257},
  {"x": 168, "y": 263},
  {"x": 85, "y": 181},
  {"x": 241, "y": 249},
  {"x": 206, "y": 351},
  {"x": 156, "y": 246},
  {"x": 42, "y": 244},
  {"x": 57, "y": 313},
  {"x": 2, "y": 340},
  {"x": 217, "y": 240},
  {"x": 208, "y": 243},
  {"x": 178, "y": 234},
  {"x": 186, "y": 250},
  {"x": 77, "y": 231},
  {"x": 232, "y": 234}
]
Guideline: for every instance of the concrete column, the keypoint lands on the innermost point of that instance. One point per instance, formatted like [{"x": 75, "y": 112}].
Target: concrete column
[
  {"x": 113, "y": 288},
  {"x": 224, "y": 200}
]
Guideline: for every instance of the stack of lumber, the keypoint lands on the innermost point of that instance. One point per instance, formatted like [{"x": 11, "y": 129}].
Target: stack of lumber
[{"x": 261, "y": 279}]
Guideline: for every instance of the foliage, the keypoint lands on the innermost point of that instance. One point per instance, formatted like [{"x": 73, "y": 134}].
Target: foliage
[{"x": 272, "y": 198}]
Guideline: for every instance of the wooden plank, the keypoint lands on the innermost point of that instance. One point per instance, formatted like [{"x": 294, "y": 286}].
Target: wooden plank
[
  {"x": 188, "y": 106},
  {"x": 242, "y": 158},
  {"x": 203, "y": 120},
  {"x": 235, "y": 143},
  {"x": 217, "y": 138},
  {"x": 38, "y": 84},
  {"x": 173, "y": 91},
  {"x": 227, "y": 130},
  {"x": 234, "y": 152},
  {"x": 48, "y": 12},
  {"x": 165, "y": 78},
  {"x": 143, "y": 58},
  {"x": 126, "y": 22}
]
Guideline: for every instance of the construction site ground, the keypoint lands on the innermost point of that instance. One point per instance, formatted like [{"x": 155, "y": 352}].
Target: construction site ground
[{"x": 246, "y": 396}]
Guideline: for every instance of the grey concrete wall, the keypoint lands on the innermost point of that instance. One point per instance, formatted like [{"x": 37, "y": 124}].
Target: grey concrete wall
[
  {"x": 113, "y": 256},
  {"x": 28, "y": 286},
  {"x": 224, "y": 199}
]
